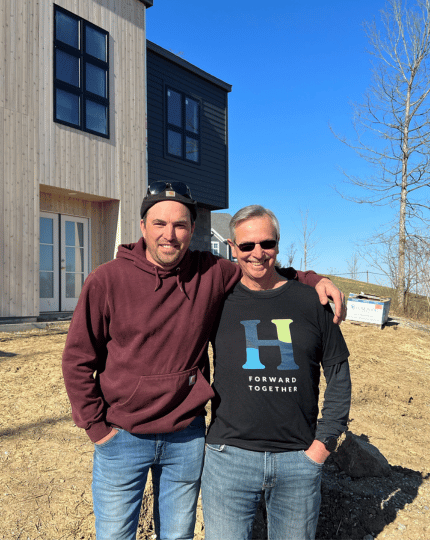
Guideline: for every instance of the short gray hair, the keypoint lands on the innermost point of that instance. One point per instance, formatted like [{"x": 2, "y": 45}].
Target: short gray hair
[{"x": 249, "y": 212}]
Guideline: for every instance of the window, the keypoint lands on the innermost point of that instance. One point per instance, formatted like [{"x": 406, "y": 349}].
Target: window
[
  {"x": 183, "y": 126},
  {"x": 215, "y": 248},
  {"x": 81, "y": 74}
]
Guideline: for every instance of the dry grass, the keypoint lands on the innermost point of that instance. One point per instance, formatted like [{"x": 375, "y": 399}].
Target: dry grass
[
  {"x": 417, "y": 306},
  {"x": 46, "y": 461}
]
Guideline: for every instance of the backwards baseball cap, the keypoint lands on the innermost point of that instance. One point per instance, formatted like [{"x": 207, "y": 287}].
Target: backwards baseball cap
[{"x": 168, "y": 191}]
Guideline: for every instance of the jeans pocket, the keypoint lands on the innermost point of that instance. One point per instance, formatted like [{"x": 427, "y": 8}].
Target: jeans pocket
[
  {"x": 109, "y": 441},
  {"x": 310, "y": 460},
  {"x": 215, "y": 447}
]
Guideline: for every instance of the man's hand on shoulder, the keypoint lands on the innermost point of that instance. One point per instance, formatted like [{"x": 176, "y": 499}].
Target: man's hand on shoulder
[{"x": 327, "y": 289}]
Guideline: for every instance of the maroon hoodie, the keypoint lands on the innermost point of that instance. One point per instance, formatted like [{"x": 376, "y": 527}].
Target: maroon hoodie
[{"x": 145, "y": 332}]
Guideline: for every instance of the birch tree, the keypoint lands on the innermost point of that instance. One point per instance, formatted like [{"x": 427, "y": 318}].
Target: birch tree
[{"x": 392, "y": 125}]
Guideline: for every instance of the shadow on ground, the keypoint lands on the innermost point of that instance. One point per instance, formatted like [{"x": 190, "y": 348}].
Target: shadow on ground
[{"x": 353, "y": 508}]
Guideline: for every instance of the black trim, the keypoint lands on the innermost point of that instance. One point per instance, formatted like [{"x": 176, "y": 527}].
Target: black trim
[
  {"x": 84, "y": 59},
  {"x": 168, "y": 55},
  {"x": 60, "y": 290}
]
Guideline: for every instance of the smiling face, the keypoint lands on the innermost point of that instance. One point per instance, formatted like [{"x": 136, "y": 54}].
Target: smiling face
[
  {"x": 258, "y": 265},
  {"x": 167, "y": 231}
]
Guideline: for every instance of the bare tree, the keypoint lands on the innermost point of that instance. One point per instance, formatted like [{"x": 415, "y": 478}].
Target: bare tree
[
  {"x": 380, "y": 253},
  {"x": 420, "y": 253},
  {"x": 291, "y": 253},
  {"x": 308, "y": 240},
  {"x": 352, "y": 264},
  {"x": 393, "y": 124}
]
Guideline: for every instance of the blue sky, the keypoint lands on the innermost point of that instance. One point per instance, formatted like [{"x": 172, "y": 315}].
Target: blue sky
[{"x": 295, "y": 67}]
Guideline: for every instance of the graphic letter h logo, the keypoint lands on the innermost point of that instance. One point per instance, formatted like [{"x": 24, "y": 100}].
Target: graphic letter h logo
[{"x": 284, "y": 343}]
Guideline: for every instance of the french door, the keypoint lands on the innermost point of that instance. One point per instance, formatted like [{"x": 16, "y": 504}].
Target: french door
[{"x": 64, "y": 260}]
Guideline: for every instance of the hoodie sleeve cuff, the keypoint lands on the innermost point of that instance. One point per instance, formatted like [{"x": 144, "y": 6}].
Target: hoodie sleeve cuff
[
  {"x": 309, "y": 278},
  {"x": 98, "y": 431}
]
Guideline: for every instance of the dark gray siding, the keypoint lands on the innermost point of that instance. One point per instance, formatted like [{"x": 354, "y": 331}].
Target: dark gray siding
[
  {"x": 207, "y": 180},
  {"x": 202, "y": 233}
]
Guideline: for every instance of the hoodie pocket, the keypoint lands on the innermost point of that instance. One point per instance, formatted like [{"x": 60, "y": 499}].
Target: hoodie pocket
[{"x": 160, "y": 396}]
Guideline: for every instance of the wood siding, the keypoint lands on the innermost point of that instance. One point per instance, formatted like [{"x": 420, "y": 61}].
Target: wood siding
[
  {"x": 34, "y": 150},
  {"x": 209, "y": 179}
]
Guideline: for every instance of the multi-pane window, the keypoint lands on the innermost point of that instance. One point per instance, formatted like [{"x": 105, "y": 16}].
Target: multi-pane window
[
  {"x": 81, "y": 73},
  {"x": 183, "y": 126},
  {"x": 215, "y": 248}
]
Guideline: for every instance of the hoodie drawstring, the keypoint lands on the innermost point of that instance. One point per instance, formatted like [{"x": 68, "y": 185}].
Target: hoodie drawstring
[
  {"x": 178, "y": 280},
  {"x": 157, "y": 279},
  {"x": 180, "y": 285}
]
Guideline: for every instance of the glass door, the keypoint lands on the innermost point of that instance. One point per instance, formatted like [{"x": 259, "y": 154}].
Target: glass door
[
  {"x": 74, "y": 259},
  {"x": 49, "y": 289}
]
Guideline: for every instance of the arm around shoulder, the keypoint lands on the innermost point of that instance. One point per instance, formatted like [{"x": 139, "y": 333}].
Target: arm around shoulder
[
  {"x": 231, "y": 273},
  {"x": 324, "y": 286},
  {"x": 308, "y": 278}
]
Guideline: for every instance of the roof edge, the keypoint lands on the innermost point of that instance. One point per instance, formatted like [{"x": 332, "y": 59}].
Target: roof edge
[
  {"x": 187, "y": 65},
  {"x": 218, "y": 235}
]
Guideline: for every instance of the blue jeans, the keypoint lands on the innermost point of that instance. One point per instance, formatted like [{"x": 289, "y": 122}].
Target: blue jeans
[
  {"x": 120, "y": 471},
  {"x": 234, "y": 479}
]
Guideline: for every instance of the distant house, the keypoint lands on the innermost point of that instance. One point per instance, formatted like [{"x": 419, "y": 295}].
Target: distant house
[
  {"x": 91, "y": 113},
  {"x": 188, "y": 133},
  {"x": 219, "y": 234}
]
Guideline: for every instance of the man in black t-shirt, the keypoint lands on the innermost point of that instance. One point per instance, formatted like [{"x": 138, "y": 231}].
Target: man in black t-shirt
[{"x": 272, "y": 339}]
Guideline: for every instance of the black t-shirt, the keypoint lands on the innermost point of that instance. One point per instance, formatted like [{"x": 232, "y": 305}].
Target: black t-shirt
[{"x": 268, "y": 351}]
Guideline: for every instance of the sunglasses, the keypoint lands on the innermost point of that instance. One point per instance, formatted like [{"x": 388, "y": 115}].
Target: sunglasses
[
  {"x": 178, "y": 187},
  {"x": 265, "y": 244}
]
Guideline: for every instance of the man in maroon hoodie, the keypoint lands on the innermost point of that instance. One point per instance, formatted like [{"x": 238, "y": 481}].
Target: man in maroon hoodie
[{"x": 136, "y": 366}]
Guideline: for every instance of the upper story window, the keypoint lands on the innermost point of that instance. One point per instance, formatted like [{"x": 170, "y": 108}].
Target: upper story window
[
  {"x": 183, "y": 126},
  {"x": 81, "y": 73}
]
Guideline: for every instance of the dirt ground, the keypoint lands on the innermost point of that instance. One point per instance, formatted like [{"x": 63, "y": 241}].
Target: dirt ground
[{"x": 46, "y": 461}]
